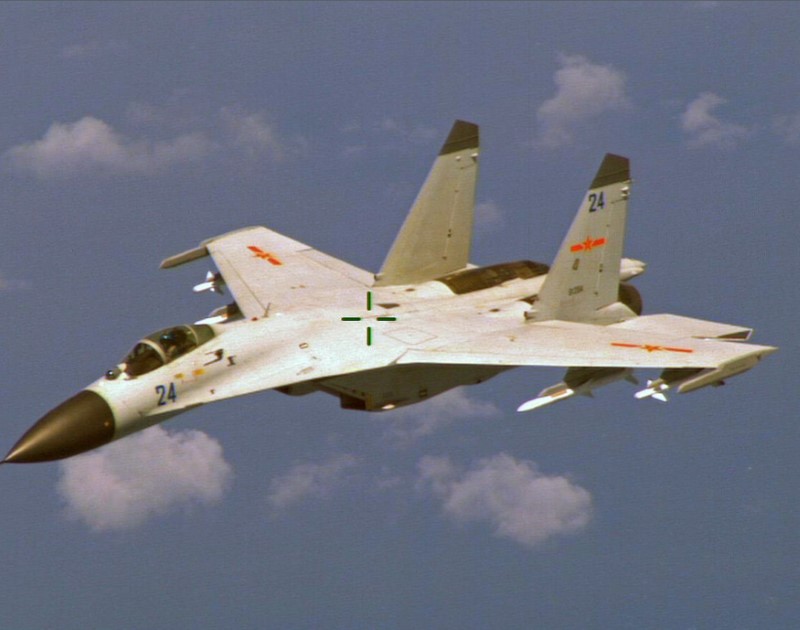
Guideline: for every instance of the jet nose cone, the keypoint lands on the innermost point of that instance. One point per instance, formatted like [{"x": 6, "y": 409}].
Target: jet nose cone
[{"x": 79, "y": 424}]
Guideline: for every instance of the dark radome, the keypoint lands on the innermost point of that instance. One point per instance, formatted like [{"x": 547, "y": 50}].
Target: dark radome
[{"x": 79, "y": 424}]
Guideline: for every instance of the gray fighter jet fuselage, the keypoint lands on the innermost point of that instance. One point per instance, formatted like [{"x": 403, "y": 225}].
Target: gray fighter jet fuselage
[{"x": 302, "y": 321}]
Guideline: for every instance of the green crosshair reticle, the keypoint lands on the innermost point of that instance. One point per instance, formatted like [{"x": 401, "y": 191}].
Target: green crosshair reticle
[{"x": 369, "y": 328}]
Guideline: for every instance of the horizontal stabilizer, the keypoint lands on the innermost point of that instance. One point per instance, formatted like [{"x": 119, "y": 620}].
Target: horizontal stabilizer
[
  {"x": 681, "y": 326},
  {"x": 581, "y": 345}
]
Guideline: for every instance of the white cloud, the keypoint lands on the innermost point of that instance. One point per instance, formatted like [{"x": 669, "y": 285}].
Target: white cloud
[
  {"x": 91, "y": 145},
  {"x": 389, "y": 134},
  {"x": 512, "y": 495},
  {"x": 125, "y": 483},
  {"x": 387, "y": 480},
  {"x": 788, "y": 128},
  {"x": 488, "y": 216},
  {"x": 250, "y": 133},
  {"x": 436, "y": 474},
  {"x": 414, "y": 133},
  {"x": 584, "y": 90},
  {"x": 705, "y": 129},
  {"x": 408, "y": 424},
  {"x": 309, "y": 481}
]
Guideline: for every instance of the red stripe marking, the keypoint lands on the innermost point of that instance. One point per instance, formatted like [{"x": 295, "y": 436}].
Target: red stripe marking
[
  {"x": 649, "y": 347},
  {"x": 260, "y": 253}
]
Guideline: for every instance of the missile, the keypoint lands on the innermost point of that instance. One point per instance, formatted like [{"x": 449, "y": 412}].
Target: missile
[
  {"x": 656, "y": 389},
  {"x": 578, "y": 381},
  {"x": 688, "y": 380},
  {"x": 213, "y": 283},
  {"x": 548, "y": 396},
  {"x": 222, "y": 314},
  {"x": 631, "y": 268}
]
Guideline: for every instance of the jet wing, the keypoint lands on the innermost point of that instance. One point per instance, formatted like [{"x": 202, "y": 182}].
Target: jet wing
[
  {"x": 572, "y": 344},
  {"x": 267, "y": 272}
]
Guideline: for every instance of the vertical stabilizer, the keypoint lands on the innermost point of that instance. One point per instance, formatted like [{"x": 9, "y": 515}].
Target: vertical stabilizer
[
  {"x": 436, "y": 236},
  {"x": 584, "y": 277}
]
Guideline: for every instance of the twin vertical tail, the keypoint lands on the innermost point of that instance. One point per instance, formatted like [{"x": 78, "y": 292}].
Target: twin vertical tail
[
  {"x": 436, "y": 236},
  {"x": 583, "y": 282}
]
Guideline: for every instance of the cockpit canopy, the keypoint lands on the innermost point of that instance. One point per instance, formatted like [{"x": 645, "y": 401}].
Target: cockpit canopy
[{"x": 165, "y": 346}]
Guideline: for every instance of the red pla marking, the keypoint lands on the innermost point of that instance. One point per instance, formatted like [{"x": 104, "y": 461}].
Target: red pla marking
[
  {"x": 588, "y": 245},
  {"x": 260, "y": 253},
  {"x": 649, "y": 347}
]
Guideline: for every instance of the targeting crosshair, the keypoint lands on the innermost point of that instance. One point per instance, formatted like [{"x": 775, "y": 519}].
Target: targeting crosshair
[{"x": 369, "y": 328}]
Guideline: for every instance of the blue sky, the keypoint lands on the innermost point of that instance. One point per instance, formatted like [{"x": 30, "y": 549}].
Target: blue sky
[{"x": 131, "y": 132}]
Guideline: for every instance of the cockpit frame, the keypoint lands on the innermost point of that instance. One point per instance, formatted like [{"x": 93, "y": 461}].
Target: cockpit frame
[{"x": 161, "y": 348}]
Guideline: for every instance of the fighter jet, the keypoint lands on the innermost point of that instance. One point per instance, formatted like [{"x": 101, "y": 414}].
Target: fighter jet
[{"x": 302, "y": 321}]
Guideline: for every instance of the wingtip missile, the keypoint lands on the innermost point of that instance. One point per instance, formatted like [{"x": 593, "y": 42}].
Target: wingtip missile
[{"x": 683, "y": 380}]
